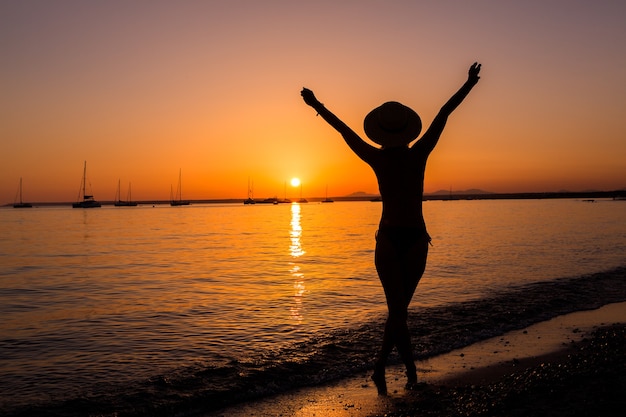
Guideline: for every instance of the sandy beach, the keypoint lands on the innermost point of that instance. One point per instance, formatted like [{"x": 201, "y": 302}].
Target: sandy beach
[{"x": 571, "y": 365}]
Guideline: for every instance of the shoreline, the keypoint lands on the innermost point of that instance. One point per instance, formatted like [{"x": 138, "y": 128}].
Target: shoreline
[
  {"x": 335, "y": 380},
  {"x": 483, "y": 370}
]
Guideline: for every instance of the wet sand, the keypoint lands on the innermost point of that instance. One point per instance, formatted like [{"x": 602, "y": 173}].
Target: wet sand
[{"x": 572, "y": 365}]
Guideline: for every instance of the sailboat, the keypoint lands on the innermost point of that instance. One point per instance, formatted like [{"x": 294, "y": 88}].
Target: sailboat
[
  {"x": 284, "y": 200},
  {"x": 178, "y": 201},
  {"x": 250, "y": 199},
  {"x": 118, "y": 198},
  {"x": 327, "y": 200},
  {"x": 302, "y": 199},
  {"x": 88, "y": 200},
  {"x": 21, "y": 204}
]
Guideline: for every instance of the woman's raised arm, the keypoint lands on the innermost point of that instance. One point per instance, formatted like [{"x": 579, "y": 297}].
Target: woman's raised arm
[
  {"x": 431, "y": 137},
  {"x": 354, "y": 141}
]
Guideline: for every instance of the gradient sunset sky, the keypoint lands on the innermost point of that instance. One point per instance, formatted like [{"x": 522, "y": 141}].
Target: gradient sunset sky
[{"x": 141, "y": 89}]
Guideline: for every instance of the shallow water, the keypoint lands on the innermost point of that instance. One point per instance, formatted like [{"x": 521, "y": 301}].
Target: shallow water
[{"x": 224, "y": 298}]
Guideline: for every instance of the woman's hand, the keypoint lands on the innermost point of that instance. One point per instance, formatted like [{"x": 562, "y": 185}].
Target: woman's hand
[
  {"x": 309, "y": 97},
  {"x": 472, "y": 74}
]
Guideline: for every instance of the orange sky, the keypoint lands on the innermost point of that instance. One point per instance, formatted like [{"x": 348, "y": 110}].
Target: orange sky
[{"x": 142, "y": 89}]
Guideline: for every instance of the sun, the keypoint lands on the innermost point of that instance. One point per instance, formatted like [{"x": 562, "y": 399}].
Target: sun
[{"x": 295, "y": 182}]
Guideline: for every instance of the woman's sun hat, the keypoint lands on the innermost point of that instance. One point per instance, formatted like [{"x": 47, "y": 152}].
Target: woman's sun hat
[{"x": 392, "y": 124}]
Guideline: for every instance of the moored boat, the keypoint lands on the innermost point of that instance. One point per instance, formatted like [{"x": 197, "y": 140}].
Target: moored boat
[
  {"x": 327, "y": 200},
  {"x": 87, "y": 199},
  {"x": 178, "y": 200},
  {"x": 21, "y": 204},
  {"x": 123, "y": 203},
  {"x": 250, "y": 199}
]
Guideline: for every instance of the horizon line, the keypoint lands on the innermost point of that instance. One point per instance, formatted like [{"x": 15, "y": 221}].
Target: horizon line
[{"x": 362, "y": 196}]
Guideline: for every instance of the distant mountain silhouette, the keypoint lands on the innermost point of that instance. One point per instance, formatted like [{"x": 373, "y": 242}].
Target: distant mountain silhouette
[
  {"x": 361, "y": 194},
  {"x": 478, "y": 194},
  {"x": 473, "y": 191}
]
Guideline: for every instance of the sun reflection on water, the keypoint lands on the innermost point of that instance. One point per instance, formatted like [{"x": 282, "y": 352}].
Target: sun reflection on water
[
  {"x": 296, "y": 251},
  {"x": 296, "y": 232}
]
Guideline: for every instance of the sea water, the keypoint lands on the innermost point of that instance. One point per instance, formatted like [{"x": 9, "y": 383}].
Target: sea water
[{"x": 206, "y": 304}]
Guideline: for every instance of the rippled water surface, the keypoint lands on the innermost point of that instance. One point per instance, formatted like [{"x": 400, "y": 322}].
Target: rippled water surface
[{"x": 115, "y": 295}]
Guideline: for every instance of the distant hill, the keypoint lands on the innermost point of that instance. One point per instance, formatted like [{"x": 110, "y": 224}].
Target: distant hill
[
  {"x": 581, "y": 191},
  {"x": 472, "y": 191},
  {"x": 478, "y": 194},
  {"x": 361, "y": 194}
]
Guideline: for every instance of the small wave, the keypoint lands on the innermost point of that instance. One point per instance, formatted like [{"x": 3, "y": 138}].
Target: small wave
[{"x": 325, "y": 357}]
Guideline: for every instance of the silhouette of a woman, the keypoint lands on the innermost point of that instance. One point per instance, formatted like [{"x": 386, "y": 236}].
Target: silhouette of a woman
[{"x": 402, "y": 240}]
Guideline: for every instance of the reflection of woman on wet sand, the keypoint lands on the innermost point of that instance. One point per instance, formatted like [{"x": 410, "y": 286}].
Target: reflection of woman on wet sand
[{"x": 401, "y": 240}]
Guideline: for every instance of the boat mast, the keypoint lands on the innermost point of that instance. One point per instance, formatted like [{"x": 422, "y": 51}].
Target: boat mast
[
  {"x": 180, "y": 184},
  {"x": 84, "y": 179}
]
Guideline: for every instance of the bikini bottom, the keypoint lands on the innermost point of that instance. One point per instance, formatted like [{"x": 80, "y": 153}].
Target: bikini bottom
[{"x": 403, "y": 238}]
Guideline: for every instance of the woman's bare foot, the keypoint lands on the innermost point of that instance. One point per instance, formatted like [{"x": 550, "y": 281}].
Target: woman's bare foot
[
  {"x": 379, "y": 379},
  {"x": 411, "y": 379}
]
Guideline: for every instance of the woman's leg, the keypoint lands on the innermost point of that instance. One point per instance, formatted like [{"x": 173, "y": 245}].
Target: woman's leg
[
  {"x": 387, "y": 266},
  {"x": 399, "y": 274},
  {"x": 414, "y": 266}
]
